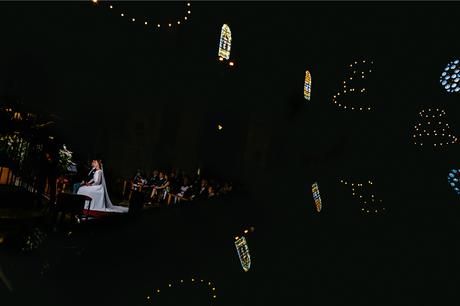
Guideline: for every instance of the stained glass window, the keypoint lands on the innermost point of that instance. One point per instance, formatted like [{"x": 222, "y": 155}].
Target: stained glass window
[
  {"x": 243, "y": 253},
  {"x": 307, "y": 86},
  {"x": 225, "y": 42},
  {"x": 316, "y": 197}
]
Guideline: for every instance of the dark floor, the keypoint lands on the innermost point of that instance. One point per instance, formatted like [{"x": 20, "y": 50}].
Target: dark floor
[{"x": 298, "y": 256}]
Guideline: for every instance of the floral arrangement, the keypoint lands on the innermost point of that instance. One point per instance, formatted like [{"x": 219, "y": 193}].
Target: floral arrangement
[{"x": 65, "y": 163}]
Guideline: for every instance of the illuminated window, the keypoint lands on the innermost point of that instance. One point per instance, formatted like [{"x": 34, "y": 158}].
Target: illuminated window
[
  {"x": 316, "y": 197},
  {"x": 453, "y": 179},
  {"x": 225, "y": 42},
  {"x": 450, "y": 77},
  {"x": 243, "y": 253},
  {"x": 307, "y": 86}
]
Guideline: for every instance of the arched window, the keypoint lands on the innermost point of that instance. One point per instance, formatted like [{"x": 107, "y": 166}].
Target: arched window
[
  {"x": 307, "y": 86},
  {"x": 243, "y": 253},
  {"x": 316, "y": 197},
  {"x": 225, "y": 42}
]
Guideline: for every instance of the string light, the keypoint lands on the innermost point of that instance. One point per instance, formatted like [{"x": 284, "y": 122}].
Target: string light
[
  {"x": 432, "y": 130},
  {"x": 316, "y": 196},
  {"x": 453, "y": 180},
  {"x": 146, "y": 21},
  {"x": 368, "y": 201},
  {"x": 450, "y": 77},
  {"x": 353, "y": 86},
  {"x": 219, "y": 127},
  {"x": 153, "y": 296}
]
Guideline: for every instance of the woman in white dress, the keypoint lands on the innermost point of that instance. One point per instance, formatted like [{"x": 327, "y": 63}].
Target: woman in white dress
[{"x": 96, "y": 189}]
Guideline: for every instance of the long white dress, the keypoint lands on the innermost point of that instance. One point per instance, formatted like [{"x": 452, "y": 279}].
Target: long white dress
[{"x": 98, "y": 192}]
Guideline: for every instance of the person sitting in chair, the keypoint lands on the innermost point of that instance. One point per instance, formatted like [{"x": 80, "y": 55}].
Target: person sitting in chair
[
  {"x": 160, "y": 187},
  {"x": 88, "y": 180},
  {"x": 96, "y": 189}
]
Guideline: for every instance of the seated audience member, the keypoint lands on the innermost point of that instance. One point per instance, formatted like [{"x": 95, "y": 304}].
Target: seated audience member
[
  {"x": 226, "y": 188},
  {"x": 202, "y": 190},
  {"x": 160, "y": 187},
  {"x": 138, "y": 177},
  {"x": 184, "y": 192},
  {"x": 153, "y": 179},
  {"x": 197, "y": 182},
  {"x": 136, "y": 183},
  {"x": 173, "y": 182},
  {"x": 211, "y": 192},
  {"x": 148, "y": 185},
  {"x": 162, "y": 190}
]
